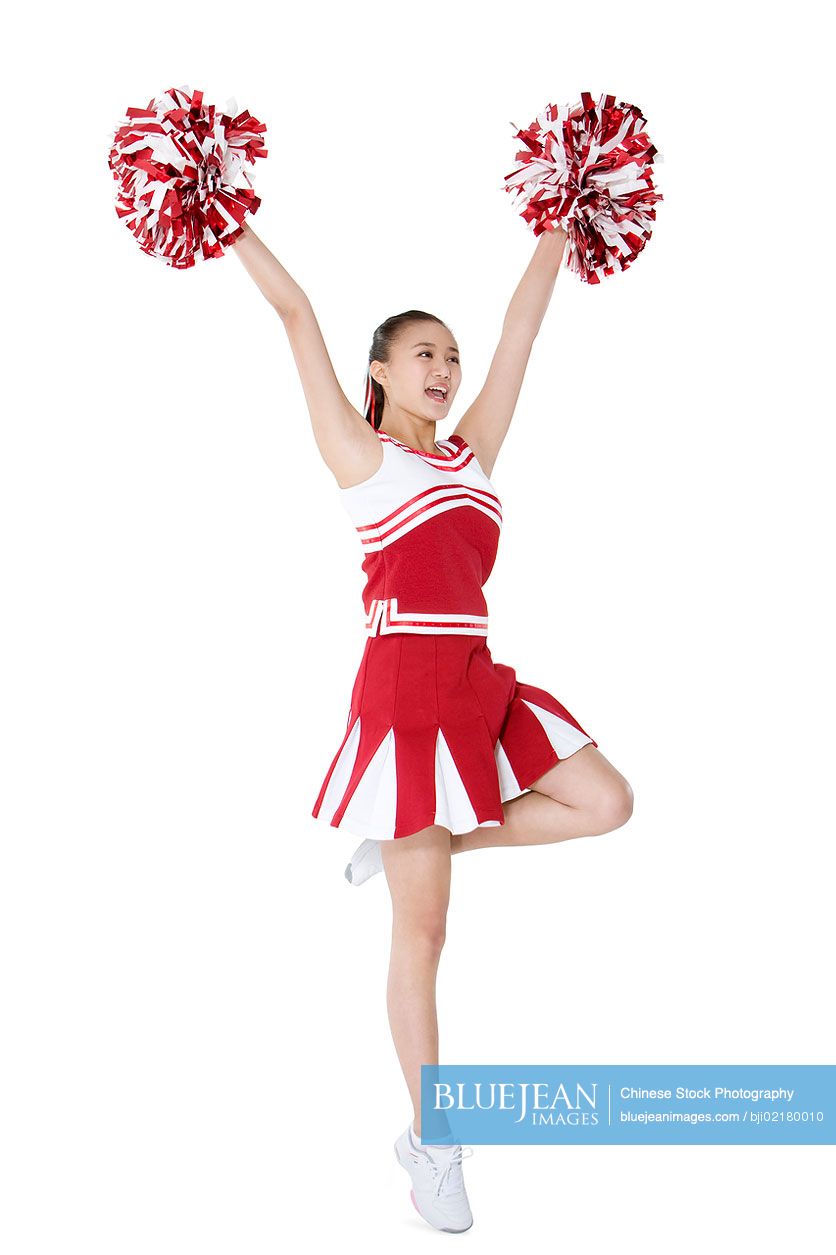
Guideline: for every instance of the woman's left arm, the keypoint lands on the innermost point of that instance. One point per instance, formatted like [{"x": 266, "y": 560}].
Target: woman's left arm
[
  {"x": 534, "y": 290},
  {"x": 485, "y": 424}
]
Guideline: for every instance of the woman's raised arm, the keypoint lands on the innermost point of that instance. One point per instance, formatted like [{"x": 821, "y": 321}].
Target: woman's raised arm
[
  {"x": 485, "y": 423},
  {"x": 349, "y": 447}
]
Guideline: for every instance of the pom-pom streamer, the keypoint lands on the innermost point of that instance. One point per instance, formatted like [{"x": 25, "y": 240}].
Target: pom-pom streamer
[
  {"x": 588, "y": 168},
  {"x": 178, "y": 164}
]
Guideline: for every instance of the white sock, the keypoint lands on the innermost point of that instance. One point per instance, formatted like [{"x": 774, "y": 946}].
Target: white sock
[{"x": 419, "y": 1142}]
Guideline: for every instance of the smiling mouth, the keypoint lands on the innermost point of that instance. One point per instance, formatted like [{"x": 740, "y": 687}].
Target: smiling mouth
[{"x": 437, "y": 396}]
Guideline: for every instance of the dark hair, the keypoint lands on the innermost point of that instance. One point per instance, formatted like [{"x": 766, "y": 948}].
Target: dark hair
[{"x": 382, "y": 343}]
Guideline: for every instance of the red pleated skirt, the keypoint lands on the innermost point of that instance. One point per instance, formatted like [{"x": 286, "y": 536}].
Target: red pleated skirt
[{"x": 439, "y": 733}]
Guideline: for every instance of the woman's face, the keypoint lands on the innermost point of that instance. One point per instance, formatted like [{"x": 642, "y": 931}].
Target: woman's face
[{"x": 425, "y": 356}]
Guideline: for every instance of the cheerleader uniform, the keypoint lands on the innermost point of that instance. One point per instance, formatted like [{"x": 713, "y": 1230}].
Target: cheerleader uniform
[{"x": 437, "y": 732}]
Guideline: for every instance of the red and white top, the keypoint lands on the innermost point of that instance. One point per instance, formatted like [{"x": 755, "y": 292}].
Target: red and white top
[{"x": 429, "y": 525}]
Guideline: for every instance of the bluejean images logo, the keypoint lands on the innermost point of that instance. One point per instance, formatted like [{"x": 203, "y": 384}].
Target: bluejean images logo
[
  {"x": 544, "y": 1102},
  {"x": 714, "y": 1104}
]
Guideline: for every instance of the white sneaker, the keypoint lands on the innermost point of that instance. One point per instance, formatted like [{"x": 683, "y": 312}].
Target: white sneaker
[
  {"x": 438, "y": 1191},
  {"x": 365, "y": 861}
]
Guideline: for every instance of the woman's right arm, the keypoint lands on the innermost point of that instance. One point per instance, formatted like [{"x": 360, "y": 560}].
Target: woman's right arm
[{"x": 347, "y": 443}]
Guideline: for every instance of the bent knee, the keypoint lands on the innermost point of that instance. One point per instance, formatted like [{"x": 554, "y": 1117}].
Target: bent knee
[{"x": 614, "y": 807}]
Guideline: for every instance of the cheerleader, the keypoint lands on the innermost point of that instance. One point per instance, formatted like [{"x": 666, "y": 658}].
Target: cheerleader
[{"x": 444, "y": 750}]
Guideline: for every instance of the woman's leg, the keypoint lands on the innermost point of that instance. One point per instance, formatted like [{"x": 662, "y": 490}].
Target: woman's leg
[
  {"x": 581, "y": 796},
  {"x": 417, "y": 869}
]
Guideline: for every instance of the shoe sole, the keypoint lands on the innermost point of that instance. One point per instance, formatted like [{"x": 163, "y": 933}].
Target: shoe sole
[
  {"x": 348, "y": 876},
  {"x": 423, "y": 1217},
  {"x": 367, "y": 854}
]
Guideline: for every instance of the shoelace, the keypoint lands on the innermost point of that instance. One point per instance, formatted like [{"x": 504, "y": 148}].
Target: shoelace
[{"x": 450, "y": 1177}]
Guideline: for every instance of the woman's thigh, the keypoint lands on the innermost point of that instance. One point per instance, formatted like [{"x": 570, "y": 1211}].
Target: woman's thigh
[
  {"x": 417, "y": 869},
  {"x": 588, "y": 780}
]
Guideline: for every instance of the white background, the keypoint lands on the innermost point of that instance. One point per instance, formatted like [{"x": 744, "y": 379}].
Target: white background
[{"x": 197, "y": 1056}]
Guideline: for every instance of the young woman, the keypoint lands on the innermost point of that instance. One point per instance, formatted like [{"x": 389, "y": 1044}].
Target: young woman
[{"x": 445, "y": 751}]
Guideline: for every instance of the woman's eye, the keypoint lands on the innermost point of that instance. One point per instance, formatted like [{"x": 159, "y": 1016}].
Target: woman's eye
[{"x": 426, "y": 353}]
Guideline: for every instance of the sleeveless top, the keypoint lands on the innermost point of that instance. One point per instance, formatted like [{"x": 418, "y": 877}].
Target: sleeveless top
[{"x": 429, "y": 525}]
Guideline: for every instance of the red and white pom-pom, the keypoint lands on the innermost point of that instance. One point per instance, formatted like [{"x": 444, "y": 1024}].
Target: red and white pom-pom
[
  {"x": 177, "y": 164},
  {"x": 588, "y": 168}
]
